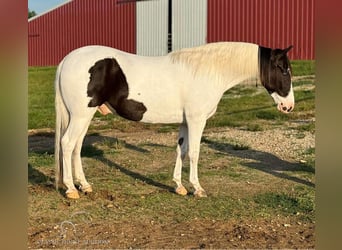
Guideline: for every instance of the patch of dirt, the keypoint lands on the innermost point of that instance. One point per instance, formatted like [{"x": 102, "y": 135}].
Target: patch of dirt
[{"x": 189, "y": 235}]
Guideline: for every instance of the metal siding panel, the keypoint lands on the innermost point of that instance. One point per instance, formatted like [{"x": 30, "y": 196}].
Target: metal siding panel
[
  {"x": 272, "y": 23},
  {"x": 312, "y": 30},
  {"x": 79, "y": 23},
  {"x": 152, "y": 27},
  {"x": 189, "y": 23}
]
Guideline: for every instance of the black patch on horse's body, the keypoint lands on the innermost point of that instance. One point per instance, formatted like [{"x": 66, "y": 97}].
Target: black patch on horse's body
[
  {"x": 108, "y": 84},
  {"x": 275, "y": 70}
]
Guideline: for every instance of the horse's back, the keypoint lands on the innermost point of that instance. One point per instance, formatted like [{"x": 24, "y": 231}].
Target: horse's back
[
  {"x": 82, "y": 59},
  {"x": 79, "y": 61}
]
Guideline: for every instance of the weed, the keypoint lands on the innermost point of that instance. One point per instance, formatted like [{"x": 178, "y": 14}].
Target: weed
[
  {"x": 240, "y": 146},
  {"x": 254, "y": 127},
  {"x": 307, "y": 127},
  {"x": 310, "y": 151},
  {"x": 307, "y": 165},
  {"x": 300, "y": 135}
]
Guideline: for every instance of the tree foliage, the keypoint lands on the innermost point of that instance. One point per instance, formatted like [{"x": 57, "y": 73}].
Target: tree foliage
[{"x": 31, "y": 13}]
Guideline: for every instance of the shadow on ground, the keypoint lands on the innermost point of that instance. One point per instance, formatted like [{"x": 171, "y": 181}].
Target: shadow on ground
[
  {"x": 263, "y": 161},
  {"x": 43, "y": 144}
]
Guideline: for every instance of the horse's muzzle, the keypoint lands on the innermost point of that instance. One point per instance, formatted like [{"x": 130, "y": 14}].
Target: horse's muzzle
[{"x": 285, "y": 107}]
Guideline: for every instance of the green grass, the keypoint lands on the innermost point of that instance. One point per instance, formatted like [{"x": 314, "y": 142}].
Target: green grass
[
  {"x": 41, "y": 159},
  {"x": 41, "y": 97},
  {"x": 303, "y": 67},
  {"x": 287, "y": 204}
]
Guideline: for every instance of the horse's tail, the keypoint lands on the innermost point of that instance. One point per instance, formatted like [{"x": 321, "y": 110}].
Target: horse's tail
[{"x": 62, "y": 120}]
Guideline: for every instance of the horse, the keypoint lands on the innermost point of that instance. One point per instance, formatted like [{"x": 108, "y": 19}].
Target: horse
[{"x": 183, "y": 87}]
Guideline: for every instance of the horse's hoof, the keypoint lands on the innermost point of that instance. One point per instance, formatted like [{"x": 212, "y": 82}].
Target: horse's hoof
[
  {"x": 181, "y": 190},
  {"x": 72, "y": 194},
  {"x": 200, "y": 194},
  {"x": 86, "y": 189}
]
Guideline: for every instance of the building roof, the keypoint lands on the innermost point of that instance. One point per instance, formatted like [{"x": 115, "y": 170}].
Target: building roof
[{"x": 47, "y": 11}]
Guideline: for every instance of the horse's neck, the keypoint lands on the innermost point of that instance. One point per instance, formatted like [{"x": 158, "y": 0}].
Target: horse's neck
[
  {"x": 231, "y": 74},
  {"x": 233, "y": 80},
  {"x": 223, "y": 64},
  {"x": 240, "y": 65}
]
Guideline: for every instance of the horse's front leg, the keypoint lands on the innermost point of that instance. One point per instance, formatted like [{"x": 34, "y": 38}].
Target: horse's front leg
[
  {"x": 182, "y": 149},
  {"x": 195, "y": 133}
]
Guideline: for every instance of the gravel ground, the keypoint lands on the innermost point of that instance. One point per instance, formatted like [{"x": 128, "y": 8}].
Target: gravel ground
[{"x": 287, "y": 144}]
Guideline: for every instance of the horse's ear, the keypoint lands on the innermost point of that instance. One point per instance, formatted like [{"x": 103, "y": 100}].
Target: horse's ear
[{"x": 287, "y": 49}]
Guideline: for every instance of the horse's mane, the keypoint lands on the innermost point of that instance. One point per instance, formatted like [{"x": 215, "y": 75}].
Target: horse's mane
[{"x": 222, "y": 60}]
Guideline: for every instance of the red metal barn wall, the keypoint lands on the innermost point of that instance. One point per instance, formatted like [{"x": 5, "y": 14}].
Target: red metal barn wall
[
  {"x": 78, "y": 23},
  {"x": 271, "y": 23}
]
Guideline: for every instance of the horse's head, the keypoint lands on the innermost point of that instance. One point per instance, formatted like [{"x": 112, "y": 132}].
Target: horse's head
[{"x": 275, "y": 75}]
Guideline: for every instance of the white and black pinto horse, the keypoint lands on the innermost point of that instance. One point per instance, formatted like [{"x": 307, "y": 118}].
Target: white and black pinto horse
[{"x": 182, "y": 87}]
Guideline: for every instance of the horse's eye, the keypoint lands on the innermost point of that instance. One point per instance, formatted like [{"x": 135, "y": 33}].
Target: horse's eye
[
  {"x": 280, "y": 67},
  {"x": 286, "y": 72},
  {"x": 283, "y": 70}
]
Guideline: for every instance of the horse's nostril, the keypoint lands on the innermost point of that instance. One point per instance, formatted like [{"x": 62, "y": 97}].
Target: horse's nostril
[
  {"x": 289, "y": 109},
  {"x": 284, "y": 108}
]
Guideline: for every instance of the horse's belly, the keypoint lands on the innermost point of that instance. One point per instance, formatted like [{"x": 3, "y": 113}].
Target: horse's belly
[
  {"x": 162, "y": 114},
  {"x": 163, "y": 102}
]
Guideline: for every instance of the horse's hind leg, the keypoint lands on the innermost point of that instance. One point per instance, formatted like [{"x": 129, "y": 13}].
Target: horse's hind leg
[
  {"x": 182, "y": 149},
  {"x": 69, "y": 141},
  {"x": 77, "y": 163}
]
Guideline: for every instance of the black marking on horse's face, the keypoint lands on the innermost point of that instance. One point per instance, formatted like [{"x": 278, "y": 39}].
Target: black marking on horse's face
[
  {"x": 108, "y": 84},
  {"x": 275, "y": 70}
]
